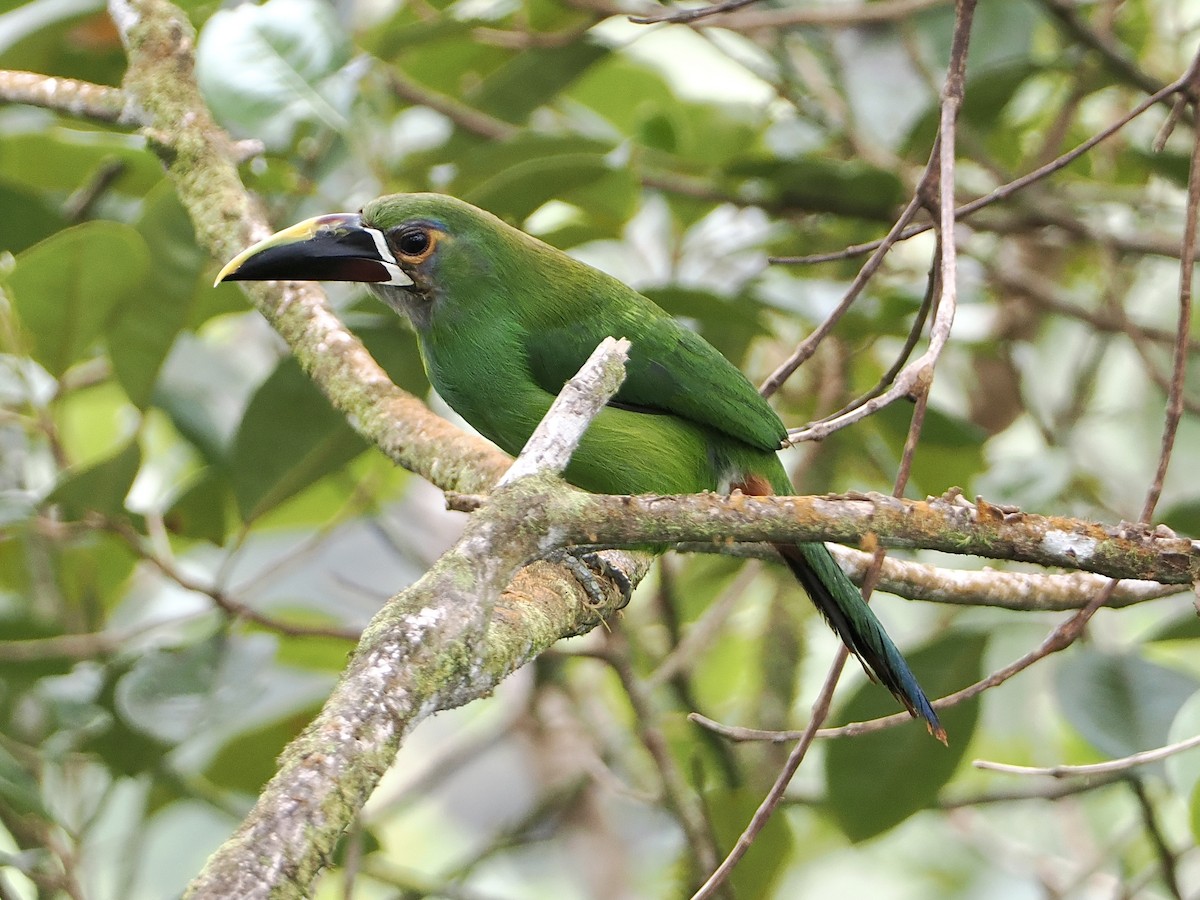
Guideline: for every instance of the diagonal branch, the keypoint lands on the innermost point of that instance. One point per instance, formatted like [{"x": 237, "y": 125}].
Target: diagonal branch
[{"x": 442, "y": 643}]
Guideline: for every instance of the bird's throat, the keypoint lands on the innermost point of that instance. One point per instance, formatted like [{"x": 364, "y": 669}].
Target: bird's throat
[{"x": 416, "y": 306}]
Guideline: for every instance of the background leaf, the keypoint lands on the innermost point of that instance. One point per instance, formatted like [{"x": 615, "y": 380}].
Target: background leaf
[
  {"x": 1120, "y": 702},
  {"x": 880, "y": 779},
  {"x": 65, "y": 288},
  {"x": 289, "y": 438}
]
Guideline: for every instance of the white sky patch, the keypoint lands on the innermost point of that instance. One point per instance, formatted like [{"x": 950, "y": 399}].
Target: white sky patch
[{"x": 695, "y": 69}]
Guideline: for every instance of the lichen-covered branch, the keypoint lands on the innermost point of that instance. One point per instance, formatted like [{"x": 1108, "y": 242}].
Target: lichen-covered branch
[
  {"x": 948, "y": 523},
  {"x": 439, "y": 644},
  {"x": 436, "y": 646}
]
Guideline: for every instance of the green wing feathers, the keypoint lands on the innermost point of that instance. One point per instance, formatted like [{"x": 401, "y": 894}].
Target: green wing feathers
[{"x": 671, "y": 369}]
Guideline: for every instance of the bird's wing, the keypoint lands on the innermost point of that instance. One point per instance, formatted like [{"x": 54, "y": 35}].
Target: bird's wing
[{"x": 671, "y": 369}]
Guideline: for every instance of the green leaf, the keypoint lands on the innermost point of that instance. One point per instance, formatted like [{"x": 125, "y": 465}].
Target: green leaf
[
  {"x": 820, "y": 184},
  {"x": 1184, "y": 627},
  {"x": 393, "y": 346},
  {"x": 172, "y": 695},
  {"x": 203, "y": 511},
  {"x": 1194, "y": 812},
  {"x": 316, "y": 653},
  {"x": 1120, "y": 702},
  {"x": 19, "y": 790},
  {"x": 517, "y": 192},
  {"x": 534, "y": 78},
  {"x": 950, "y": 452},
  {"x": 1183, "y": 517},
  {"x": 143, "y": 329},
  {"x": 768, "y": 856},
  {"x": 435, "y": 51},
  {"x": 23, "y": 624},
  {"x": 624, "y": 92},
  {"x": 1183, "y": 769},
  {"x": 247, "y": 762},
  {"x": 68, "y": 38},
  {"x": 99, "y": 488},
  {"x": 204, "y": 392},
  {"x": 515, "y": 178},
  {"x": 65, "y": 288},
  {"x": 94, "y": 570},
  {"x": 26, "y": 217},
  {"x": 482, "y": 163},
  {"x": 266, "y": 69},
  {"x": 288, "y": 439},
  {"x": 989, "y": 90},
  {"x": 878, "y": 780},
  {"x": 63, "y": 158}
]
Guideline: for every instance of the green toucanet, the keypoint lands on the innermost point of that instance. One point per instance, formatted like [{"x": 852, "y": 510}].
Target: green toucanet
[{"x": 503, "y": 320}]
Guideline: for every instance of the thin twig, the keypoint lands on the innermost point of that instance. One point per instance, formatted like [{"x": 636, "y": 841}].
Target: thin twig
[
  {"x": 221, "y": 598},
  {"x": 827, "y": 16},
  {"x": 1187, "y": 262},
  {"x": 915, "y": 377},
  {"x": 1114, "y": 60},
  {"x": 809, "y": 345},
  {"x": 688, "y": 651},
  {"x": 932, "y": 291},
  {"x": 1060, "y": 638},
  {"x": 678, "y": 794},
  {"x": 691, "y": 15},
  {"x": 1108, "y": 767},
  {"x": 462, "y": 115},
  {"x": 1167, "y": 858},
  {"x": 951, "y": 100},
  {"x": 1003, "y": 192}
]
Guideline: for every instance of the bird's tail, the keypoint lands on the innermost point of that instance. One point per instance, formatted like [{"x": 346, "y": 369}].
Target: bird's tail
[{"x": 848, "y": 614}]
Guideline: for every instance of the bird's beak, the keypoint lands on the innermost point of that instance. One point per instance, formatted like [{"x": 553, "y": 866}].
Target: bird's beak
[{"x": 336, "y": 247}]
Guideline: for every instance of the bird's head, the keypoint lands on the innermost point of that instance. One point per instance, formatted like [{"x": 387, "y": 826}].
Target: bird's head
[{"x": 409, "y": 248}]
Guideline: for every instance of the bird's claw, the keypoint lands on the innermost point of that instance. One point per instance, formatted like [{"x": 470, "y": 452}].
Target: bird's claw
[{"x": 586, "y": 566}]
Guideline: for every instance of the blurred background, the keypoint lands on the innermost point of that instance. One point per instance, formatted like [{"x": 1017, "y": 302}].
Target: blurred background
[{"x": 190, "y": 538}]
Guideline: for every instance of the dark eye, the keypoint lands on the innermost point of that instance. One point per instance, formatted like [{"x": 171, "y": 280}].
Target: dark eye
[{"x": 413, "y": 242}]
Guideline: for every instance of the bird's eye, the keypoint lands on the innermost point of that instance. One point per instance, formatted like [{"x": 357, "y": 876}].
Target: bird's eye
[{"x": 413, "y": 242}]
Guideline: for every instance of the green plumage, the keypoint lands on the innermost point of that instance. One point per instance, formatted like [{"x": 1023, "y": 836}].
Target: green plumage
[
  {"x": 507, "y": 320},
  {"x": 503, "y": 320}
]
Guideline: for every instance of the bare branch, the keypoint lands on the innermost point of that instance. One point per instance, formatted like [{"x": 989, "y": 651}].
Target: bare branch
[
  {"x": 1024, "y": 591},
  {"x": 728, "y": 16},
  {"x": 1109, "y": 767},
  {"x": 949, "y": 523},
  {"x": 1007, "y": 190},
  {"x": 691, "y": 15},
  {"x": 809, "y": 345},
  {"x": 550, "y": 446},
  {"x": 1187, "y": 261},
  {"x": 82, "y": 99}
]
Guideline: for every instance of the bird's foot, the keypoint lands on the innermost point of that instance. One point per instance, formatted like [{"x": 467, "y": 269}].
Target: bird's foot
[{"x": 586, "y": 567}]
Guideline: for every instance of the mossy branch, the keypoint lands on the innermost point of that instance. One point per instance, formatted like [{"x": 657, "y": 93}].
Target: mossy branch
[
  {"x": 949, "y": 523},
  {"x": 440, "y": 644}
]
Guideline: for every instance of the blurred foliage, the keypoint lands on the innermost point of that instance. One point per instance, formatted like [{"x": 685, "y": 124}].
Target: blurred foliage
[{"x": 164, "y": 464}]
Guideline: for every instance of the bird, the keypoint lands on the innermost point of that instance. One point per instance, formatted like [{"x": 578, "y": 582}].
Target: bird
[{"x": 503, "y": 320}]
